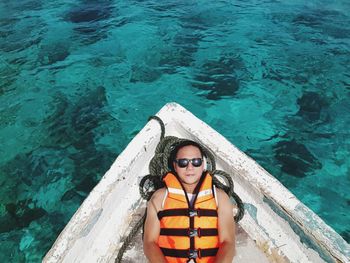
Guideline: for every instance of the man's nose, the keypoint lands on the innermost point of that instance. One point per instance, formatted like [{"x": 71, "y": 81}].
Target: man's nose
[{"x": 189, "y": 166}]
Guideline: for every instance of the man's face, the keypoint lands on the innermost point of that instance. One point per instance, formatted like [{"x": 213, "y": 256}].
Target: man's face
[{"x": 190, "y": 174}]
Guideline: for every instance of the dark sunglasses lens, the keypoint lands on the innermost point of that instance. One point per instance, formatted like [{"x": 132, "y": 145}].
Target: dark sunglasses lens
[
  {"x": 182, "y": 163},
  {"x": 196, "y": 162}
]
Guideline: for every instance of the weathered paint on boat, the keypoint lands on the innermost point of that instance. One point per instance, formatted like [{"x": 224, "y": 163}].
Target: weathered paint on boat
[{"x": 282, "y": 228}]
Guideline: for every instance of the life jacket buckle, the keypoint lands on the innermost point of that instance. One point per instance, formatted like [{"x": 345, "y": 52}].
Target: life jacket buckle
[
  {"x": 193, "y": 212},
  {"x": 194, "y": 253},
  {"x": 193, "y": 232}
]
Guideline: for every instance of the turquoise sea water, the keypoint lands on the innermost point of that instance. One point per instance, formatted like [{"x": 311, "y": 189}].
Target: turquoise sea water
[{"x": 78, "y": 79}]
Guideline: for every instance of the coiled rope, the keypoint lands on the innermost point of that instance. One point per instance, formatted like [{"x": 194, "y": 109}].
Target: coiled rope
[{"x": 159, "y": 166}]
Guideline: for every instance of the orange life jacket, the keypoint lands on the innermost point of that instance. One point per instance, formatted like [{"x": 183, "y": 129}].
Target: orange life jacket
[{"x": 189, "y": 233}]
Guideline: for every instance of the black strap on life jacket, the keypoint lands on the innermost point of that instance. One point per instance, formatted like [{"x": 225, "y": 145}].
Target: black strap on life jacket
[
  {"x": 199, "y": 232},
  {"x": 187, "y": 212},
  {"x": 190, "y": 253}
]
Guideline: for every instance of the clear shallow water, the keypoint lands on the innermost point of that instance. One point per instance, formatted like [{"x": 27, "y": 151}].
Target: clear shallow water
[{"x": 79, "y": 79}]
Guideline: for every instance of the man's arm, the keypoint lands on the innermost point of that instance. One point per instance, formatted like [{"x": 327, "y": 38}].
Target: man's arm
[
  {"x": 226, "y": 229},
  {"x": 152, "y": 230}
]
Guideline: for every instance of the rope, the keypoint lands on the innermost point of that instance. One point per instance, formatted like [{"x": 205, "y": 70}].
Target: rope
[
  {"x": 159, "y": 166},
  {"x": 162, "y": 126},
  {"x": 224, "y": 181},
  {"x": 129, "y": 238}
]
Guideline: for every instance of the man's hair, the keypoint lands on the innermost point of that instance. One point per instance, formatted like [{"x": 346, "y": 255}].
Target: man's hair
[{"x": 180, "y": 145}]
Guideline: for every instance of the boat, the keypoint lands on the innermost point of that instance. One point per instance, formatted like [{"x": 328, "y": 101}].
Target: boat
[{"x": 276, "y": 227}]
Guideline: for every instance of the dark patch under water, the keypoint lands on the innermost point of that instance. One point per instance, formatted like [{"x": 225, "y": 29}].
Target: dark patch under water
[
  {"x": 73, "y": 123},
  {"x": 219, "y": 77},
  {"x": 295, "y": 158},
  {"x": 90, "y": 11},
  {"x": 55, "y": 52},
  {"x": 346, "y": 235},
  {"x": 19, "y": 215},
  {"x": 90, "y": 18},
  {"x": 72, "y": 195},
  {"x": 26, "y": 174},
  {"x": 92, "y": 164},
  {"x": 311, "y": 105}
]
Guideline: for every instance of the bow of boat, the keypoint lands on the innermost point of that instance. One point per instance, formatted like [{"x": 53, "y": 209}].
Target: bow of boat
[{"x": 277, "y": 227}]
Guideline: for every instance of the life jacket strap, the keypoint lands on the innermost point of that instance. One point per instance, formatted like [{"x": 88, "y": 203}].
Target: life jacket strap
[
  {"x": 187, "y": 212},
  {"x": 189, "y": 232},
  {"x": 189, "y": 253}
]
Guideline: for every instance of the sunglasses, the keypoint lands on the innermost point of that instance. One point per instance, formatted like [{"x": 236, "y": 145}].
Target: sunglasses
[{"x": 182, "y": 163}]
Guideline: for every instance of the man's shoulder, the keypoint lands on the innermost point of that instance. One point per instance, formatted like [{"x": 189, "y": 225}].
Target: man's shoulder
[
  {"x": 223, "y": 198},
  {"x": 159, "y": 193},
  {"x": 157, "y": 197},
  {"x": 221, "y": 193}
]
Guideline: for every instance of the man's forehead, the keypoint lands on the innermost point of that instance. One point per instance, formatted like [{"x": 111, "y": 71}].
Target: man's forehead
[{"x": 190, "y": 149}]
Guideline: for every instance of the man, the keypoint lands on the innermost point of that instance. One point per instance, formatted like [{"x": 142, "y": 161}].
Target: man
[{"x": 189, "y": 220}]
